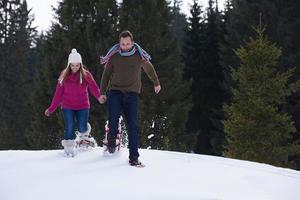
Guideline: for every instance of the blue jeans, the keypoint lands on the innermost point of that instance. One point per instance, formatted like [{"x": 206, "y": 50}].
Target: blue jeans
[
  {"x": 75, "y": 118},
  {"x": 126, "y": 102}
]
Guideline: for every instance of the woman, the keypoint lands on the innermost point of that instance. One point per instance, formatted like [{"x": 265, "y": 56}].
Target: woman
[{"x": 72, "y": 95}]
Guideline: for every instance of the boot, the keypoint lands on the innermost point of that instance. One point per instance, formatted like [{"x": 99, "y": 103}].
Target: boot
[
  {"x": 69, "y": 147},
  {"x": 134, "y": 161},
  {"x": 111, "y": 145}
]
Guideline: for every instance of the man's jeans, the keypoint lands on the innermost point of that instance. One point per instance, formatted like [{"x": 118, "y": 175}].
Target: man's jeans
[
  {"x": 75, "y": 119},
  {"x": 126, "y": 102}
]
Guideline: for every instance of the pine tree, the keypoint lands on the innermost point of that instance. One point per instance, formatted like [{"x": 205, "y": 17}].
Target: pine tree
[
  {"x": 16, "y": 38},
  {"x": 211, "y": 87},
  {"x": 281, "y": 19},
  {"x": 162, "y": 117},
  {"x": 256, "y": 128},
  {"x": 193, "y": 58},
  {"x": 202, "y": 66}
]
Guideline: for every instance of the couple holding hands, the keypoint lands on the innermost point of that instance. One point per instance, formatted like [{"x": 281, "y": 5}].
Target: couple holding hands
[{"x": 120, "y": 86}]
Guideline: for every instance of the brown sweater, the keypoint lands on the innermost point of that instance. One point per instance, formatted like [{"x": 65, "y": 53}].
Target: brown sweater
[{"x": 124, "y": 73}]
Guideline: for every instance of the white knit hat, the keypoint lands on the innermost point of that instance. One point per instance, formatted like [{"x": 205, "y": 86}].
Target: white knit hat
[{"x": 74, "y": 57}]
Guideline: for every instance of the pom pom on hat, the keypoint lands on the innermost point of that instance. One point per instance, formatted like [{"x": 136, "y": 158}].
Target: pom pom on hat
[{"x": 74, "y": 57}]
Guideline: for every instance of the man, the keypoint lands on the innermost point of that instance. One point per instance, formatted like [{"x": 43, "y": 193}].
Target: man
[{"x": 121, "y": 80}]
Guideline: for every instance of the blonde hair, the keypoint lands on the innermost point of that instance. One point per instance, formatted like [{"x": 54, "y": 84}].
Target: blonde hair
[{"x": 65, "y": 73}]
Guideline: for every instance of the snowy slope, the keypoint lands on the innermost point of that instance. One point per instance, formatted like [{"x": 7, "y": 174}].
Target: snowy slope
[{"x": 47, "y": 175}]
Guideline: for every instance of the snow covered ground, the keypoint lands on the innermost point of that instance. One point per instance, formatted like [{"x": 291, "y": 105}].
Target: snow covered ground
[{"x": 47, "y": 175}]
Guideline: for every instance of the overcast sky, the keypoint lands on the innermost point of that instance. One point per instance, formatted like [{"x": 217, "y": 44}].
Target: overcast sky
[{"x": 44, "y": 15}]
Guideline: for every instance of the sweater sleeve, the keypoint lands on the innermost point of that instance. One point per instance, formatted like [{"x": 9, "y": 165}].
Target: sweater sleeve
[
  {"x": 106, "y": 76},
  {"x": 150, "y": 71},
  {"x": 93, "y": 87},
  {"x": 58, "y": 95}
]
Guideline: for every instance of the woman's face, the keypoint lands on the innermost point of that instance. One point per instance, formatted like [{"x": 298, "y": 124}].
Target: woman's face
[{"x": 75, "y": 67}]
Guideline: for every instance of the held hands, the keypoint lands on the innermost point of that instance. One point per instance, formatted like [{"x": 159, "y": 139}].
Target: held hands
[
  {"x": 102, "y": 99},
  {"x": 157, "y": 89},
  {"x": 47, "y": 113}
]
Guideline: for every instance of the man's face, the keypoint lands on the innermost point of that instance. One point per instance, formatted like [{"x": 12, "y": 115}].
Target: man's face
[{"x": 126, "y": 43}]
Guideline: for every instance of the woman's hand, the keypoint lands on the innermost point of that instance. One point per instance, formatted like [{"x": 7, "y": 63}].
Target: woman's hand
[
  {"x": 102, "y": 99},
  {"x": 157, "y": 89}
]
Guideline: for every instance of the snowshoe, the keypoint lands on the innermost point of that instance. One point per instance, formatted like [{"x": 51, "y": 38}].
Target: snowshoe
[
  {"x": 85, "y": 140},
  {"x": 114, "y": 144}
]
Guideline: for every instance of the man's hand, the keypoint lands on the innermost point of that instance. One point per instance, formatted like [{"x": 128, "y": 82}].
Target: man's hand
[
  {"x": 47, "y": 113},
  {"x": 102, "y": 99},
  {"x": 157, "y": 89}
]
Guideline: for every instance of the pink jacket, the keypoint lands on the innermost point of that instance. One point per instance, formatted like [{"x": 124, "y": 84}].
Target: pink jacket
[{"x": 73, "y": 95}]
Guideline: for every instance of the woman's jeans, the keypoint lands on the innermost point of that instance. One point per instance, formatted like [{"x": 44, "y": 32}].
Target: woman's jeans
[{"x": 75, "y": 119}]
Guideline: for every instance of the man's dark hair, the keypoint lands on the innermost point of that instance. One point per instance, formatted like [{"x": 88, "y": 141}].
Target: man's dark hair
[{"x": 125, "y": 34}]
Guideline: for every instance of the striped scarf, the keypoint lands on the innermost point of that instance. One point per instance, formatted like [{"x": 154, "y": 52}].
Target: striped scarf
[{"x": 116, "y": 49}]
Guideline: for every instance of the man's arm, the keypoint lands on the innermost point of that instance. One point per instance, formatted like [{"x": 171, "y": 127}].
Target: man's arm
[
  {"x": 105, "y": 77},
  {"x": 105, "y": 81},
  {"x": 150, "y": 71}
]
